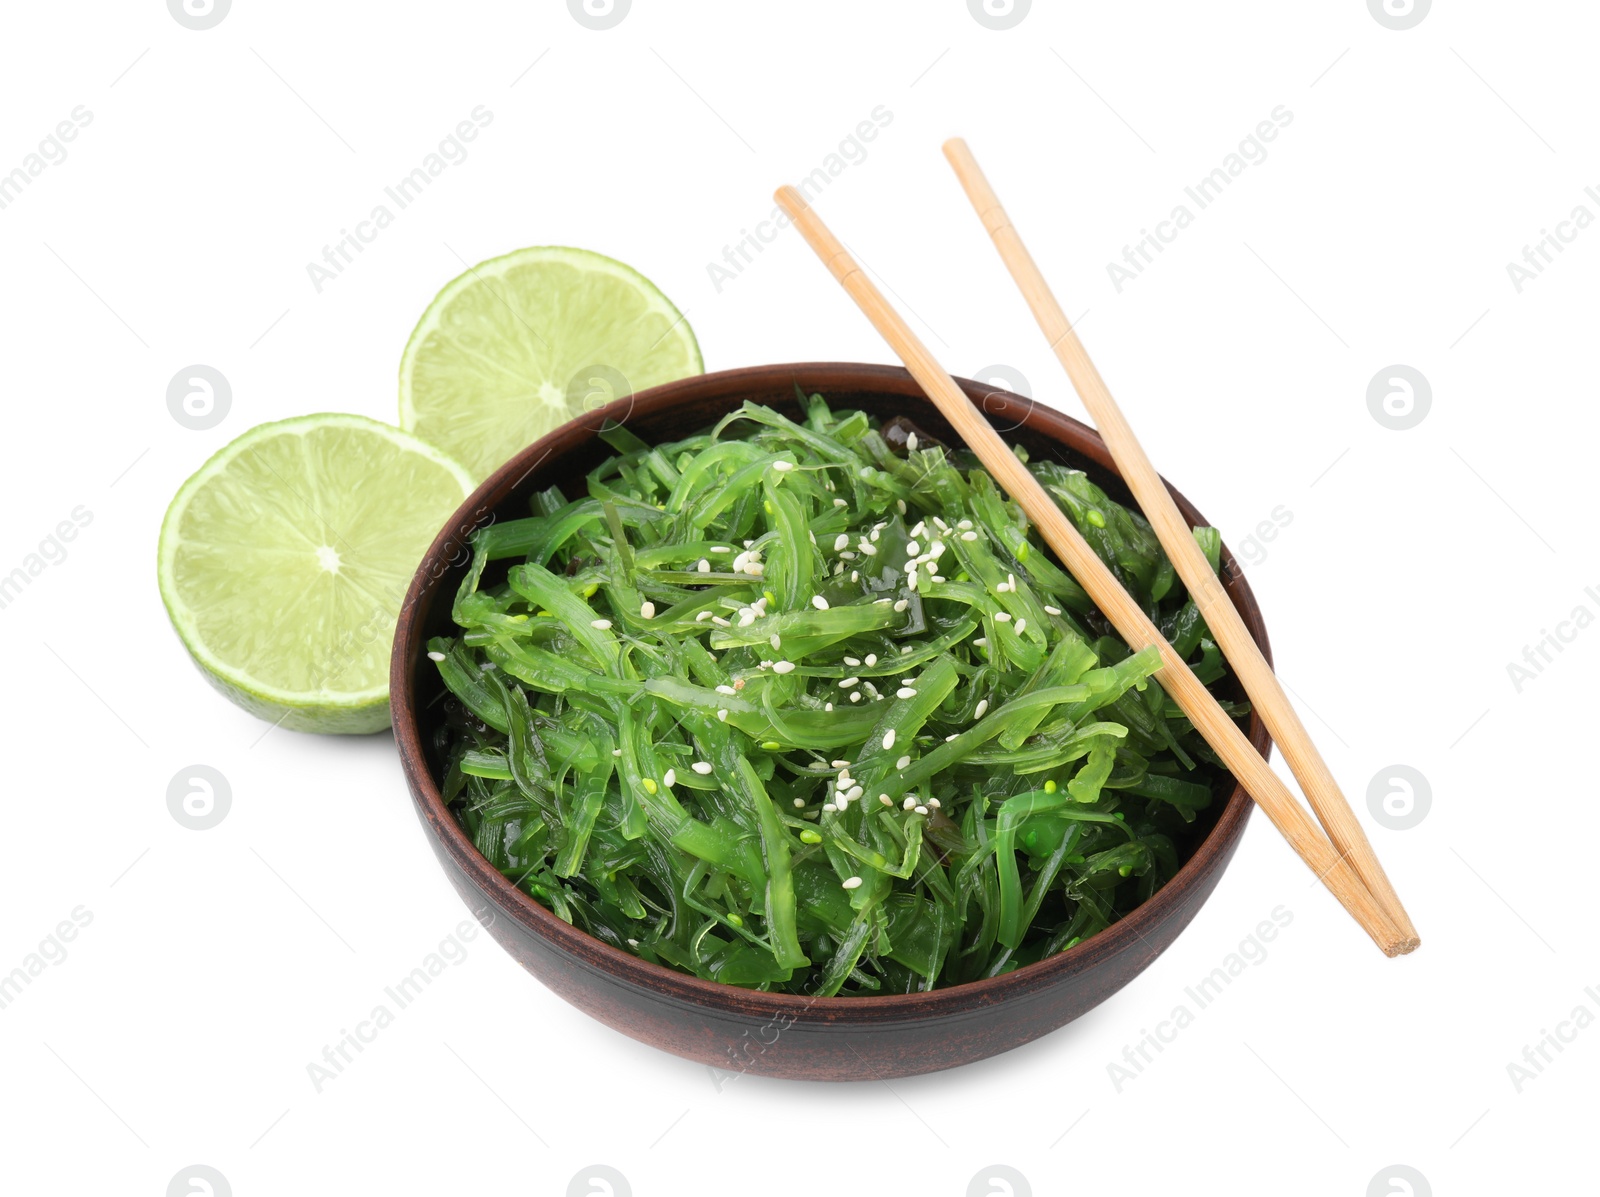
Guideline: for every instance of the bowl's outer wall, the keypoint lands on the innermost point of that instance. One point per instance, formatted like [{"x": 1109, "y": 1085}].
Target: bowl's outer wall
[{"x": 740, "y": 1030}]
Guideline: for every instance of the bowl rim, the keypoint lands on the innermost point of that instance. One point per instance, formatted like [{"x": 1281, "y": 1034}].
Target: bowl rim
[{"x": 594, "y": 955}]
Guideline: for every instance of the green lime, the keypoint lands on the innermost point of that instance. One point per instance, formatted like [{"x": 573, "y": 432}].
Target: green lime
[
  {"x": 521, "y": 344},
  {"x": 284, "y": 560}
]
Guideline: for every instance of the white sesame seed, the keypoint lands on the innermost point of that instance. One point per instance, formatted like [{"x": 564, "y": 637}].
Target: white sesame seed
[
  {"x": 851, "y": 882},
  {"x": 723, "y": 715},
  {"x": 983, "y": 705},
  {"x": 820, "y": 603},
  {"x": 746, "y": 617},
  {"x": 702, "y": 615},
  {"x": 908, "y": 803},
  {"x": 867, "y": 547},
  {"x": 669, "y": 778},
  {"x": 900, "y": 506},
  {"x": 969, "y": 536},
  {"x": 920, "y": 810},
  {"x": 1049, "y": 610},
  {"x": 827, "y": 706},
  {"x": 913, "y": 548},
  {"x": 950, "y": 737},
  {"x": 775, "y": 640},
  {"x": 921, "y": 526},
  {"x": 902, "y": 762},
  {"x": 911, "y": 442},
  {"x": 911, "y": 578},
  {"x": 1003, "y": 617},
  {"x": 726, "y": 690},
  {"x": 841, "y": 541},
  {"x": 829, "y": 807},
  {"x": 755, "y": 569},
  {"x": 872, "y": 659},
  {"x": 704, "y": 767},
  {"x": 616, "y": 752},
  {"x": 855, "y": 792},
  {"x": 840, "y": 503},
  {"x": 721, "y": 548},
  {"x": 933, "y": 802},
  {"x": 904, "y": 649},
  {"x": 435, "y": 656},
  {"x": 720, "y": 622},
  {"x": 602, "y": 624},
  {"x": 766, "y": 665},
  {"x": 848, "y": 682},
  {"x": 905, "y": 692},
  {"x": 885, "y": 799},
  {"x": 1022, "y": 626},
  {"x": 855, "y": 696},
  {"x": 902, "y": 604},
  {"x": 981, "y": 641},
  {"x": 841, "y": 764},
  {"x": 888, "y": 739},
  {"x": 938, "y": 577},
  {"x": 647, "y": 610},
  {"x": 855, "y": 575},
  {"x": 852, "y": 661},
  {"x": 783, "y": 467},
  {"x": 964, "y": 525},
  {"x": 783, "y": 667},
  {"x": 943, "y": 527},
  {"x": 704, "y": 566},
  {"x": 847, "y": 555},
  {"x": 799, "y": 802}
]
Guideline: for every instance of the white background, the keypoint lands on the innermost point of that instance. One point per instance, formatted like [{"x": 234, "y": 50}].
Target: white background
[{"x": 1417, "y": 565}]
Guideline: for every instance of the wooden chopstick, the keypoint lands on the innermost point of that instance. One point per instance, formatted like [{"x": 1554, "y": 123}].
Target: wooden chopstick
[
  {"x": 1257, "y": 677},
  {"x": 1125, "y": 614}
]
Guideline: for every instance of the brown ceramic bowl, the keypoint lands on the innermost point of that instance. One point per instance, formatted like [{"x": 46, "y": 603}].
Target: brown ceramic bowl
[{"x": 841, "y": 1038}]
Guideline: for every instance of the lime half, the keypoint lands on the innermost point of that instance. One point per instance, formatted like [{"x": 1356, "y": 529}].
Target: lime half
[
  {"x": 523, "y": 343},
  {"x": 284, "y": 560}
]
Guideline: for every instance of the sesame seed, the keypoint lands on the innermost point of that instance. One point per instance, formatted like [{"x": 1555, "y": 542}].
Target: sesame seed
[
  {"x": 746, "y": 617},
  {"x": 902, "y": 604},
  {"x": 721, "y": 548},
  {"x": 848, "y": 682},
  {"x": 847, "y": 555},
  {"x": 855, "y": 696},
  {"x": 943, "y": 527},
  {"x": 670, "y": 777},
  {"x": 855, "y": 792},
  {"x": 950, "y": 737},
  {"x": 904, "y": 649},
  {"x": 725, "y": 690},
  {"x": 908, "y": 803},
  {"x": 820, "y": 603},
  {"x": 982, "y": 642},
  {"x": 647, "y": 610},
  {"x": 723, "y": 714},
  {"x": 775, "y": 640},
  {"x": 902, "y": 762},
  {"x": 783, "y": 467},
  {"x": 1022, "y": 626},
  {"x": 888, "y": 739},
  {"x": 851, "y": 882},
  {"x": 1049, "y": 610},
  {"x": 911, "y": 442},
  {"x": 702, "y": 615},
  {"x": 1003, "y": 617},
  {"x": 783, "y": 667},
  {"x": 704, "y": 566},
  {"x": 840, "y": 503},
  {"x": 933, "y": 802},
  {"x": 977, "y": 711},
  {"x": 435, "y": 656},
  {"x": 616, "y": 752},
  {"x": 964, "y": 525},
  {"x": 969, "y": 536},
  {"x": 720, "y": 622},
  {"x": 900, "y": 505},
  {"x": 920, "y": 810},
  {"x": 799, "y": 802},
  {"x": 841, "y": 541},
  {"x": 829, "y": 807},
  {"x": 913, "y": 548},
  {"x": 855, "y": 575},
  {"x": 885, "y": 799},
  {"x": 920, "y": 528},
  {"x": 905, "y": 692},
  {"x": 602, "y": 624},
  {"x": 841, "y": 764},
  {"x": 852, "y": 661},
  {"x": 867, "y": 547},
  {"x": 872, "y": 659},
  {"x": 827, "y": 706},
  {"x": 704, "y": 767}
]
